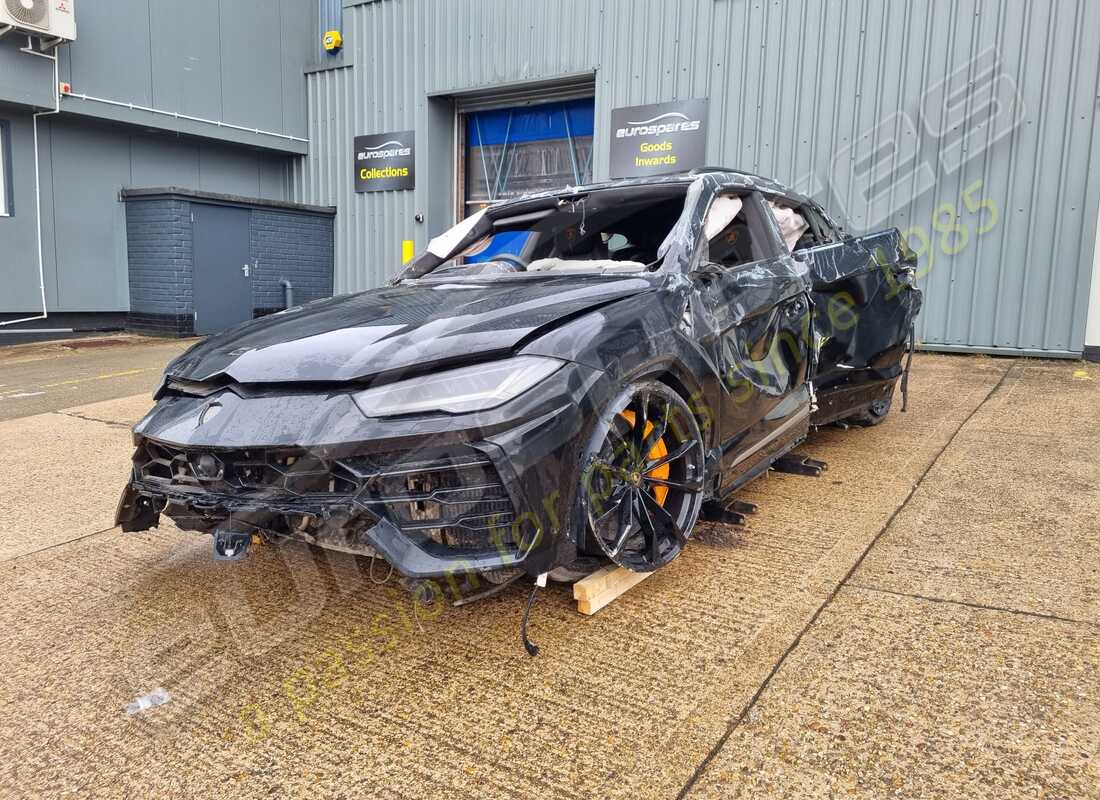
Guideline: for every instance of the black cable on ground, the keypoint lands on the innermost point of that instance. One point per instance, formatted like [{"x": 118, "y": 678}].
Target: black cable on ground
[{"x": 531, "y": 648}]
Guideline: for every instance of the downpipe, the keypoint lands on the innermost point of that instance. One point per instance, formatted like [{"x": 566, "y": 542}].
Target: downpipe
[{"x": 29, "y": 50}]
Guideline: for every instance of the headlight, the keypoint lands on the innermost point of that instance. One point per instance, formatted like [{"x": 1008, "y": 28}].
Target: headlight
[{"x": 458, "y": 391}]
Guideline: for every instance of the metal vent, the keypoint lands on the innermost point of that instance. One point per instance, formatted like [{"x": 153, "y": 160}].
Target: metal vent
[{"x": 33, "y": 13}]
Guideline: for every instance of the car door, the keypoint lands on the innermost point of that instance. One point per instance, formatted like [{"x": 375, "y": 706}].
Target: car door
[
  {"x": 756, "y": 326},
  {"x": 865, "y": 298}
]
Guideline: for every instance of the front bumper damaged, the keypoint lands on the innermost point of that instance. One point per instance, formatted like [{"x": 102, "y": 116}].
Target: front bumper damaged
[{"x": 434, "y": 495}]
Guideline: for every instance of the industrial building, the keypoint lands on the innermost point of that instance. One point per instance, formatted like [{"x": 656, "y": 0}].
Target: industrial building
[
  {"x": 110, "y": 142},
  {"x": 210, "y": 161}
]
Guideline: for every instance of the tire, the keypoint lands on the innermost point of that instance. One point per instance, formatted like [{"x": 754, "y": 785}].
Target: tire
[{"x": 642, "y": 484}]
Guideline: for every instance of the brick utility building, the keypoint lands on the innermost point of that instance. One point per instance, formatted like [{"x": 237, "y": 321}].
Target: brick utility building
[
  {"x": 273, "y": 254},
  {"x": 969, "y": 125}
]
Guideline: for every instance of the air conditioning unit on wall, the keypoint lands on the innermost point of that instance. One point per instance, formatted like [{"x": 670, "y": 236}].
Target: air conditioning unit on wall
[{"x": 52, "y": 21}]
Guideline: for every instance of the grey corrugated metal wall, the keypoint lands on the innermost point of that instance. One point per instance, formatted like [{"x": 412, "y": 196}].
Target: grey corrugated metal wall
[
  {"x": 237, "y": 61},
  {"x": 842, "y": 98},
  {"x": 329, "y": 14}
]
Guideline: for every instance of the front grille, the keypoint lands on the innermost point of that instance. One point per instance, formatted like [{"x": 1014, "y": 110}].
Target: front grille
[
  {"x": 268, "y": 471},
  {"x": 452, "y": 497}
]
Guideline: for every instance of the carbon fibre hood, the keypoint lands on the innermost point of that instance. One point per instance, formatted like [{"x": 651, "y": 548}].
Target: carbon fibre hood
[{"x": 397, "y": 328}]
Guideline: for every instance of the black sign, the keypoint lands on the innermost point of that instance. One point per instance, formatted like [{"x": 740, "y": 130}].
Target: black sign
[
  {"x": 658, "y": 139},
  {"x": 384, "y": 161}
]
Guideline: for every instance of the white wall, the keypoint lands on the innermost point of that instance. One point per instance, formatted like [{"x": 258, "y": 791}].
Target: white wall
[{"x": 1092, "y": 326}]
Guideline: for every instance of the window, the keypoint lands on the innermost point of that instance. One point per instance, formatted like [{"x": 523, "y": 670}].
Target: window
[
  {"x": 827, "y": 231},
  {"x": 802, "y": 226},
  {"x": 794, "y": 228},
  {"x": 6, "y": 209},
  {"x": 525, "y": 149},
  {"x": 736, "y": 232}
]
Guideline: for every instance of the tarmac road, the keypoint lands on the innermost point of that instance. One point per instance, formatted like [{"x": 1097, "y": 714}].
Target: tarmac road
[{"x": 38, "y": 378}]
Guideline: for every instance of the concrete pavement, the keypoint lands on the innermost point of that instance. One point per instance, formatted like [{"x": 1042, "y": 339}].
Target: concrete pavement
[
  {"x": 961, "y": 658},
  {"x": 920, "y": 621}
]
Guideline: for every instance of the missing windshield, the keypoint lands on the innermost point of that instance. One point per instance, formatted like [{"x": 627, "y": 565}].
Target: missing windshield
[{"x": 596, "y": 232}]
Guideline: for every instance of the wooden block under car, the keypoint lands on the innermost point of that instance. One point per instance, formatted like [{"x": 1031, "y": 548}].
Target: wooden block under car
[{"x": 603, "y": 586}]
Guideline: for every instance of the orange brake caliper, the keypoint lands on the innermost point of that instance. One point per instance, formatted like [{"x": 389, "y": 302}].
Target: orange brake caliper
[{"x": 660, "y": 450}]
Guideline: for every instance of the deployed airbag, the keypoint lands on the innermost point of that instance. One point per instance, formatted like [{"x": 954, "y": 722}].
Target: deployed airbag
[{"x": 791, "y": 224}]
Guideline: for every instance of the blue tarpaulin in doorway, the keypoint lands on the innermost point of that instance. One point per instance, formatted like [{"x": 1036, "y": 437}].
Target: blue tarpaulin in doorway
[{"x": 524, "y": 149}]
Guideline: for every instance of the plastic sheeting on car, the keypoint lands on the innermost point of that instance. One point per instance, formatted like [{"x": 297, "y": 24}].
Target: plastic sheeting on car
[{"x": 865, "y": 300}]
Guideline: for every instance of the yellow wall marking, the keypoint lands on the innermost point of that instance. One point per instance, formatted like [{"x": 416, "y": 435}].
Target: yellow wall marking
[{"x": 407, "y": 251}]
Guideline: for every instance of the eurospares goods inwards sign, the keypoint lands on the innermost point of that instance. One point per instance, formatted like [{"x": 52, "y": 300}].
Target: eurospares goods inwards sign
[
  {"x": 658, "y": 139},
  {"x": 384, "y": 161}
]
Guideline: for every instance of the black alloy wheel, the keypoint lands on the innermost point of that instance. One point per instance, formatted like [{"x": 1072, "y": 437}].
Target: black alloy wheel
[{"x": 642, "y": 481}]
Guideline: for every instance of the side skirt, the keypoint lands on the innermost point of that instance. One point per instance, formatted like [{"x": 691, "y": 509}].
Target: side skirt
[
  {"x": 782, "y": 441},
  {"x": 845, "y": 400}
]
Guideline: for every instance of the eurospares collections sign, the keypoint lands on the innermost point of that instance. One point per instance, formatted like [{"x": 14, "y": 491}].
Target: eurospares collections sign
[
  {"x": 658, "y": 139},
  {"x": 384, "y": 161}
]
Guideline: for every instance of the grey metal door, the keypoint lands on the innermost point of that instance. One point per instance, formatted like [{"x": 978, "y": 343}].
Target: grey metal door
[{"x": 223, "y": 268}]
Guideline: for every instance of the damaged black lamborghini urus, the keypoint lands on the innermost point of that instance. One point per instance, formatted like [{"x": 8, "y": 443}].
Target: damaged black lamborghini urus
[{"x": 561, "y": 377}]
